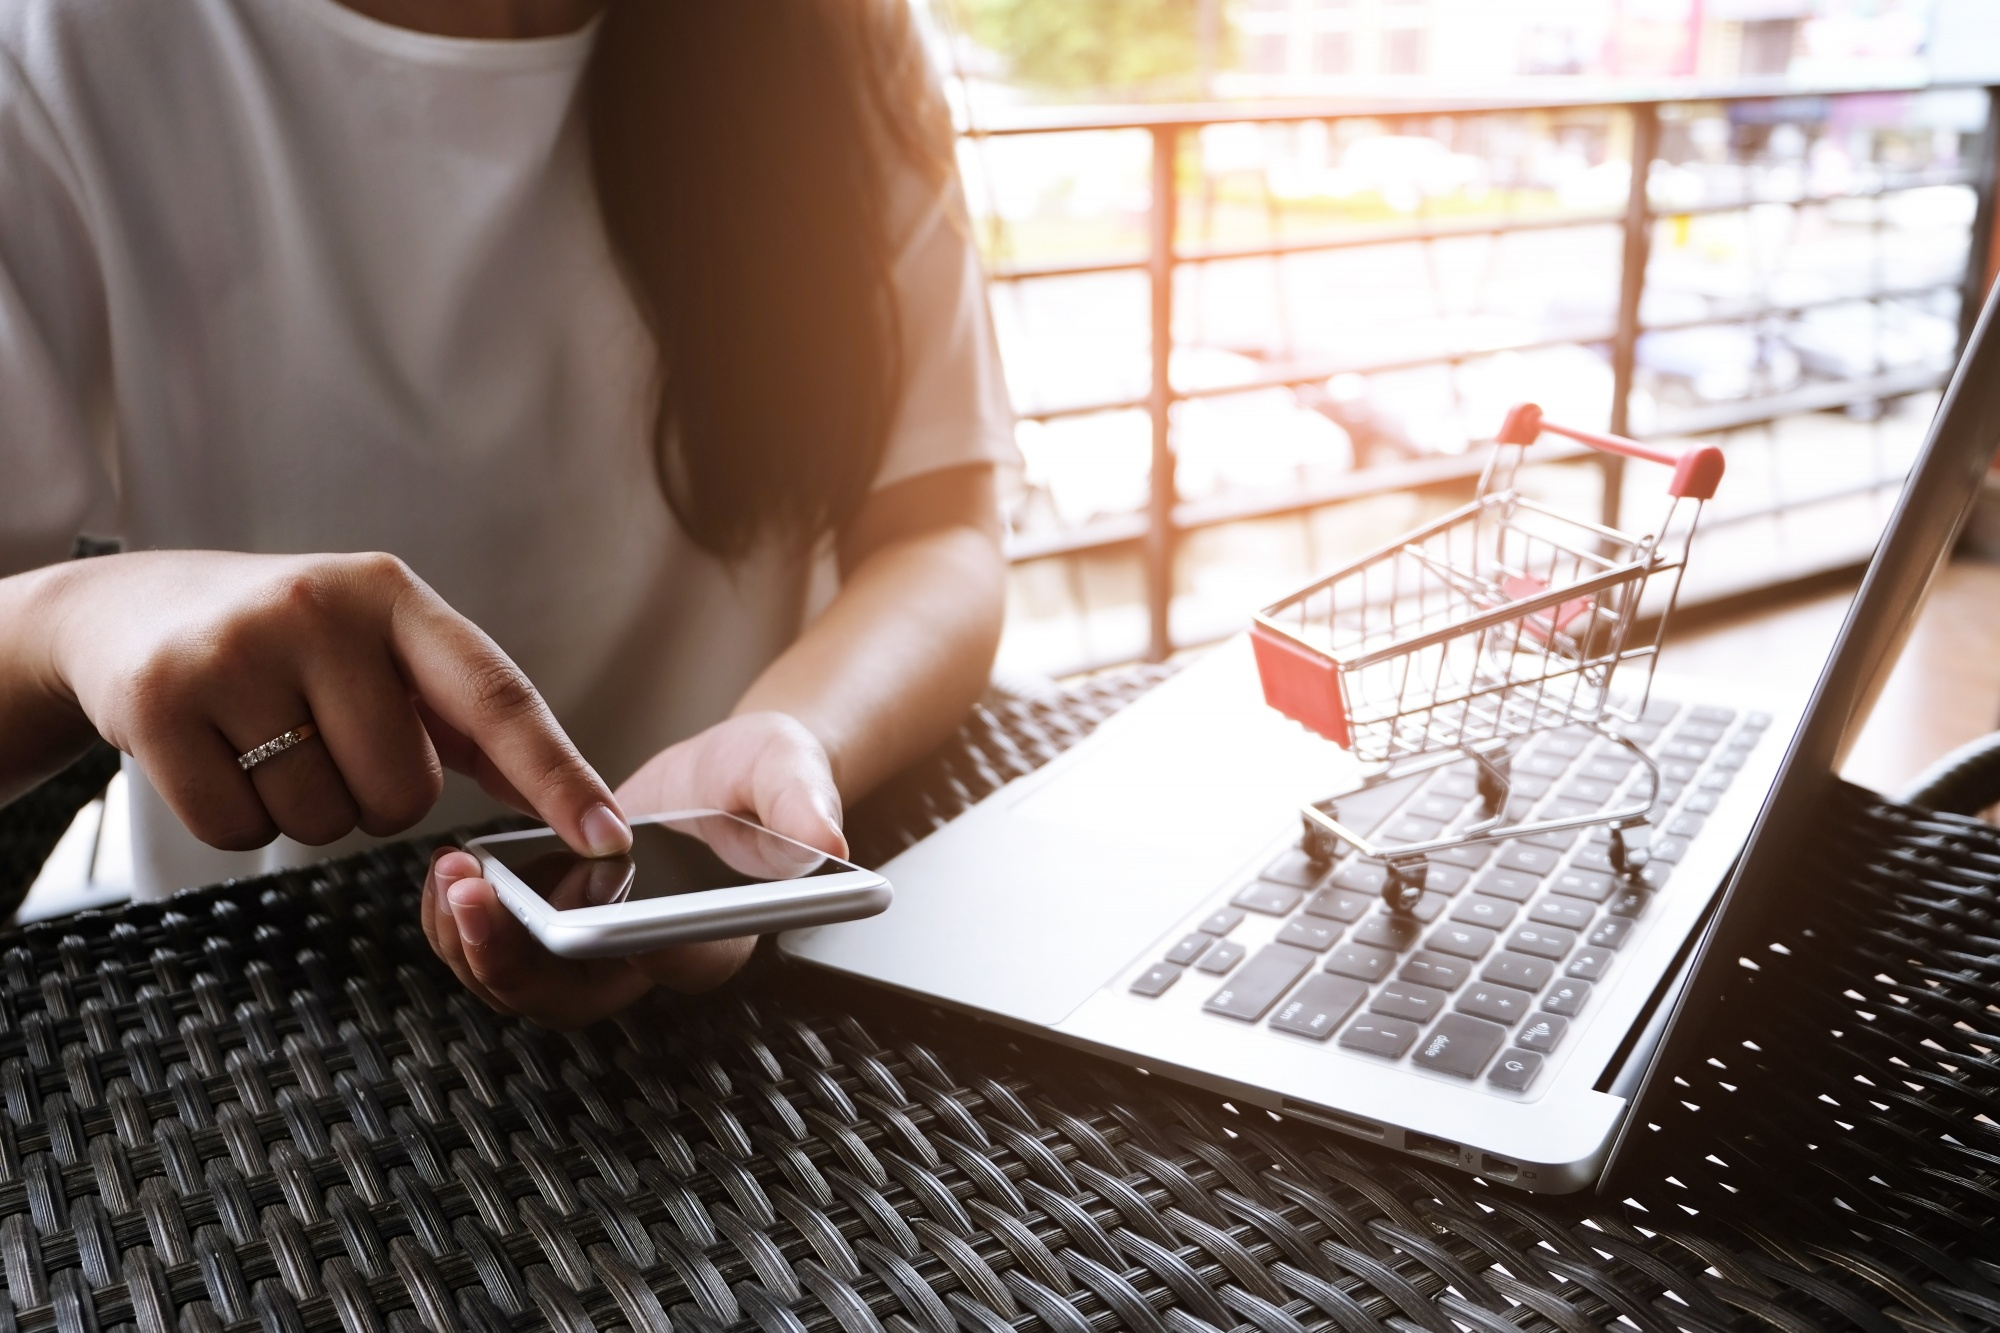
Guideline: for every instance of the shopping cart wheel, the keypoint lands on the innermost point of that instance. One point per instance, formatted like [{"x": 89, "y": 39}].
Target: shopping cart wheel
[
  {"x": 1319, "y": 845},
  {"x": 1404, "y": 886},
  {"x": 1626, "y": 860},
  {"x": 1495, "y": 772}
]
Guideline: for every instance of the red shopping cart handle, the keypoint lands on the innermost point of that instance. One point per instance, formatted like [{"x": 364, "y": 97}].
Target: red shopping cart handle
[{"x": 1696, "y": 472}]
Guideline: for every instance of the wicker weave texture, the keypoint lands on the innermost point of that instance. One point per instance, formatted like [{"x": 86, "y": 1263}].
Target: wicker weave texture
[{"x": 266, "y": 1106}]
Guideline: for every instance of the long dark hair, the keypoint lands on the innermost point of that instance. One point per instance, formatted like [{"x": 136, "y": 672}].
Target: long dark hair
[{"x": 743, "y": 152}]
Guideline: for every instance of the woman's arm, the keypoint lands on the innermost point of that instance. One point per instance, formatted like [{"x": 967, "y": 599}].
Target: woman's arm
[
  {"x": 881, "y": 677},
  {"x": 906, "y": 648}
]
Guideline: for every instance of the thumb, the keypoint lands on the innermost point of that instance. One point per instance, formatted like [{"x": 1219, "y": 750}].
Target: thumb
[{"x": 794, "y": 795}]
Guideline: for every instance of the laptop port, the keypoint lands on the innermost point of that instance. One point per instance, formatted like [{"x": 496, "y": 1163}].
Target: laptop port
[
  {"x": 1425, "y": 1145},
  {"x": 1325, "y": 1119},
  {"x": 1499, "y": 1167}
]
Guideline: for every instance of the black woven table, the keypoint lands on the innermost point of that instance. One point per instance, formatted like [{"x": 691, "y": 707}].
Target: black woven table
[{"x": 264, "y": 1105}]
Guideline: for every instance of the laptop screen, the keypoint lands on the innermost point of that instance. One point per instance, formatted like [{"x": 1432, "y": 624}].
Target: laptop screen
[{"x": 1920, "y": 535}]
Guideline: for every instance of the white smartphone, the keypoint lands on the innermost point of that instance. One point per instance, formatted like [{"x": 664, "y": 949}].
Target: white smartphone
[{"x": 691, "y": 875}]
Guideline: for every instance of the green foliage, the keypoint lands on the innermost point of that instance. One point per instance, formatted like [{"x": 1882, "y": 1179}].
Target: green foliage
[{"x": 1131, "y": 47}]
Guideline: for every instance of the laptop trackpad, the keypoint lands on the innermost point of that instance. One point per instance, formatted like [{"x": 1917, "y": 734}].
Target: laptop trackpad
[{"x": 1036, "y": 898}]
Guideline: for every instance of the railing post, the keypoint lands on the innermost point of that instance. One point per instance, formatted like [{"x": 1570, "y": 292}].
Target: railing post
[
  {"x": 1160, "y": 533},
  {"x": 1638, "y": 228},
  {"x": 1979, "y": 250}
]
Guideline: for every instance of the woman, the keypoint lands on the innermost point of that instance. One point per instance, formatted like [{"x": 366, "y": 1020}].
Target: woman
[{"x": 594, "y": 327}]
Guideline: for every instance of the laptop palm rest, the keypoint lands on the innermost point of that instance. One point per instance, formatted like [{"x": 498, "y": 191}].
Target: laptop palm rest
[{"x": 1036, "y": 897}]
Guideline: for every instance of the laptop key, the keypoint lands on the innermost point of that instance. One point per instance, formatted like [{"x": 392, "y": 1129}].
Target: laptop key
[
  {"x": 1261, "y": 895},
  {"x": 1361, "y": 961},
  {"x": 1693, "y": 751},
  {"x": 1318, "y": 1007},
  {"x": 1564, "y": 744},
  {"x": 1565, "y": 912},
  {"x": 1542, "y": 941},
  {"x": 1429, "y": 907},
  {"x": 1340, "y": 904},
  {"x": 1630, "y": 902},
  {"x": 1557, "y": 840},
  {"x": 1259, "y": 982},
  {"x": 1702, "y": 803},
  {"x": 1404, "y": 999},
  {"x": 1221, "y": 921},
  {"x": 1437, "y": 970},
  {"x": 1470, "y": 856},
  {"x": 1656, "y": 874},
  {"x": 1712, "y": 713},
  {"x": 1707, "y": 733},
  {"x": 1360, "y": 876},
  {"x": 1464, "y": 941},
  {"x": 1190, "y": 947},
  {"x": 1462, "y": 785},
  {"x": 1716, "y": 779},
  {"x": 1613, "y": 767},
  {"x": 1310, "y": 932},
  {"x": 1378, "y": 1034},
  {"x": 1590, "y": 885},
  {"x": 1410, "y": 828},
  {"x": 1382, "y": 931},
  {"x": 1293, "y": 868},
  {"x": 1436, "y": 805},
  {"x": 1531, "y": 785},
  {"x": 1667, "y": 851},
  {"x": 1509, "y": 884},
  {"x": 1527, "y": 859},
  {"x": 1589, "y": 964},
  {"x": 1446, "y": 879},
  {"x": 1479, "y": 910},
  {"x": 1609, "y": 933},
  {"x": 1542, "y": 1033},
  {"x": 1155, "y": 979},
  {"x": 1730, "y": 760},
  {"x": 1461, "y": 1045},
  {"x": 1518, "y": 970},
  {"x": 1502, "y": 1004},
  {"x": 1543, "y": 765},
  {"x": 1221, "y": 956},
  {"x": 1567, "y": 997},
  {"x": 1592, "y": 856},
  {"x": 1515, "y": 1070},
  {"x": 1363, "y": 811},
  {"x": 1588, "y": 791}
]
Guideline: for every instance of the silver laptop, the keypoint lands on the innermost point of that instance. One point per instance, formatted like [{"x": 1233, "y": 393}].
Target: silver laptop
[{"x": 1146, "y": 896}]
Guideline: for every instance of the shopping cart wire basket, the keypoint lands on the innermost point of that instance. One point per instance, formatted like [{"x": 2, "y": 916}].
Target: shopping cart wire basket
[{"x": 1499, "y": 620}]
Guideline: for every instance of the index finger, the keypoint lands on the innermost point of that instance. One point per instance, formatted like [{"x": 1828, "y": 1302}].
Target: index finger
[{"x": 478, "y": 691}]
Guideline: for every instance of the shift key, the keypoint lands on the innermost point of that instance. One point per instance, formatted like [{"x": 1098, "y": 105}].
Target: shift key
[{"x": 1259, "y": 982}]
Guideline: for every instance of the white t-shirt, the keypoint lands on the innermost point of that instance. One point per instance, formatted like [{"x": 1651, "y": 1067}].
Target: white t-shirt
[{"x": 276, "y": 277}]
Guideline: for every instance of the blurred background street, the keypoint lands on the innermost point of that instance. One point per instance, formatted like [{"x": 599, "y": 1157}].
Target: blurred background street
[{"x": 1362, "y": 228}]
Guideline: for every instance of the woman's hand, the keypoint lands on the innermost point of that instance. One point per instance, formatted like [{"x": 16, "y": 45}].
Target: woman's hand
[
  {"x": 186, "y": 659},
  {"x": 764, "y": 765}
]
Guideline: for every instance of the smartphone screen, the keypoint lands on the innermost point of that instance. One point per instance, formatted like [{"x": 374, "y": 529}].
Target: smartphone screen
[{"x": 668, "y": 859}]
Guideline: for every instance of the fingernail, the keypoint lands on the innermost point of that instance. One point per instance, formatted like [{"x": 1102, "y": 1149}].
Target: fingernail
[
  {"x": 466, "y": 911},
  {"x": 604, "y": 833}
]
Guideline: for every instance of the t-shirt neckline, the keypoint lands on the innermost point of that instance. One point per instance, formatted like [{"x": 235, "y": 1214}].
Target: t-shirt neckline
[{"x": 562, "y": 51}]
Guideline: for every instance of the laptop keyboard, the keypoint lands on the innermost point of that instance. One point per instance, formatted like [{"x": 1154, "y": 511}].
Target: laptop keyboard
[{"x": 1496, "y": 961}]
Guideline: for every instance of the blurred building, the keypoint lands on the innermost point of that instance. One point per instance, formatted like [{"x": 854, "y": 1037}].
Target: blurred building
[{"x": 1320, "y": 47}]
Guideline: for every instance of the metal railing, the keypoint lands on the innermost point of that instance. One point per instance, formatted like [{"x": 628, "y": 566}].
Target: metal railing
[{"x": 1158, "y": 530}]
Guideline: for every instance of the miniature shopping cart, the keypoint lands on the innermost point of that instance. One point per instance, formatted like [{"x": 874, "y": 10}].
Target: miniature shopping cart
[{"x": 1498, "y": 621}]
